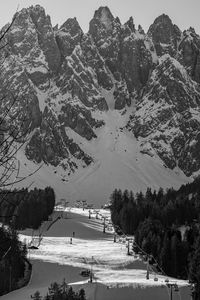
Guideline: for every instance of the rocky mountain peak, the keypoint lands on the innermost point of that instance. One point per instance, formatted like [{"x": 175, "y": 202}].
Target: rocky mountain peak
[
  {"x": 104, "y": 16},
  {"x": 140, "y": 29},
  {"x": 37, "y": 8},
  {"x": 130, "y": 24},
  {"x": 162, "y": 19},
  {"x": 72, "y": 26},
  {"x": 192, "y": 31},
  {"x": 190, "y": 36},
  {"x": 165, "y": 35},
  {"x": 70, "y": 80},
  {"x": 189, "y": 53},
  {"x": 68, "y": 36},
  {"x": 33, "y": 27},
  {"x": 117, "y": 20}
]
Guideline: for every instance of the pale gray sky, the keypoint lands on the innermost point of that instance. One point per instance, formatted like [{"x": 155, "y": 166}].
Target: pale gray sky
[{"x": 184, "y": 13}]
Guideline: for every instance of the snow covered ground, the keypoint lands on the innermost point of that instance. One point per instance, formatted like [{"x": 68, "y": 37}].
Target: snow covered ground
[
  {"x": 118, "y": 163},
  {"x": 116, "y": 275}
]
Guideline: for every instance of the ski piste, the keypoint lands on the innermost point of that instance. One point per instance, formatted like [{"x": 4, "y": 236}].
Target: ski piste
[{"x": 114, "y": 274}]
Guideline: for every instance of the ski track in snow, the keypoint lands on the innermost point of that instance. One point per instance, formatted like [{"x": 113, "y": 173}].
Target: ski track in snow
[{"x": 90, "y": 248}]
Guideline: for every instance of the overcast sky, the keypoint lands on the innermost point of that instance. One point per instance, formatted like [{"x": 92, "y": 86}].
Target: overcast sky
[{"x": 184, "y": 13}]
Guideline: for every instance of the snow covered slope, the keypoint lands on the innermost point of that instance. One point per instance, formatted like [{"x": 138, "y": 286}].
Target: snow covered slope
[
  {"x": 117, "y": 163},
  {"x": 125, "y": 275},
  {"x": 112, "y": 108}
]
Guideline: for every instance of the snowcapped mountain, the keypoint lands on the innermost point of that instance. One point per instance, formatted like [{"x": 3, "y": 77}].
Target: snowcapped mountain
[{"x": 114, "y": 107}]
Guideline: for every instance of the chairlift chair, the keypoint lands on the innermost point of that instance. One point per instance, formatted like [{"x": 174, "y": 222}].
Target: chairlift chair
[{"x": 155, "y": 278}]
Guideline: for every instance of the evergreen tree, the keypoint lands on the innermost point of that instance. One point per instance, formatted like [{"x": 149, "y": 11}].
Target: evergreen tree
[
  {"x": 165, "y": 255},
  {"x": 36, "y": 296},
  {"x": 55, "y": 291},
  {"x": 82, "y": 294},
  {"x": 194, "y": 271}
]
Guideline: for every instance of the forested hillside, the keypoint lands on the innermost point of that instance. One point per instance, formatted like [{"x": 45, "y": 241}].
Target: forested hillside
[
  {"x": 26, "y": 209},
  {"x": 12, "y": 260},
  {"x": 165, "y": 225}
]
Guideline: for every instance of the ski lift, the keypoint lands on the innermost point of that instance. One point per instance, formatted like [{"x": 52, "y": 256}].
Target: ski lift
[
  {"x": 135, "y": 248},
  {"x": 85, "y": 273},
  {"x": 155, "y": 265},
  {"x": 33, "y": 247},
  {"x": 155, "y": 278}
]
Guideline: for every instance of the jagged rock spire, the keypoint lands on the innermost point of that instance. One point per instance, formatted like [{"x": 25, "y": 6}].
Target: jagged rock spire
[{"x": 130, "y": 24}]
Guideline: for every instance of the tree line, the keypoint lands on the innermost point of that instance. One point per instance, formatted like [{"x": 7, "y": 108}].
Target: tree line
[
  {"x": 12, "y": 260},
  {"x": 26, "y": 209},
  {"x": 60, "y": 292},
  {"x": 166, "y": 227}
]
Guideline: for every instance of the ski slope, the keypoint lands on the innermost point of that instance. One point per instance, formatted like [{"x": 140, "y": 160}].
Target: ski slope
[
  {"x": 116, "y": 275},
  {"x": 118, "y": 163}
]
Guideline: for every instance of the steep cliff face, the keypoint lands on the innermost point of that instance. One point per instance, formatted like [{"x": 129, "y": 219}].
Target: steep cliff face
[
  {"x": 165, "y": 35},
  {"x": 50, "y": 144},
  {"x": 71, "y": 88},
  {"x": 167, "y": 119},
  {"x": 34, "y": 71},
  {"x": 127, "y": 53},
  {"x": 184, "y": 46},
  {"x": 189, "y": 53},
  {"x": 68, "y": 36}
]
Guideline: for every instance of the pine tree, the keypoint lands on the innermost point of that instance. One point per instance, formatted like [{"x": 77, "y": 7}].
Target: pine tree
[
  {"x": 174, "y": 255},
  {"x": 55, "y": 291},
  {"x": 194, "y": 271},
  {"x": 36, "y": 296},
  {"x": 82, "y": 294},
  {"x": 47, "y": 297}
]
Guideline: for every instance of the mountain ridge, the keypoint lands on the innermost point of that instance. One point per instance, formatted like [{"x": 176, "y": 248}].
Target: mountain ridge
[{"x": 67, "y": 81}]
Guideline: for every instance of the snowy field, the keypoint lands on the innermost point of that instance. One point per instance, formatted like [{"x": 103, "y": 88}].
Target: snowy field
[{"x": 116, "y": 275}]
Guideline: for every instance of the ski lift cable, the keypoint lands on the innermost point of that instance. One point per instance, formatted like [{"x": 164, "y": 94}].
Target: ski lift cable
[
  {"x": 144, "y": 252},
  {"x": 168, "y": 292},
  {"x": 152, "y": 257},
  {"x": 163, "y": 273},
  {"x": 6, "y": 252}
]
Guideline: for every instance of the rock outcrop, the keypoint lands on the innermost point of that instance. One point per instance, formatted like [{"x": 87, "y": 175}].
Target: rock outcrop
[
  {"x": 167, "y": 120},
  {"x": 165, "y": 35}
]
